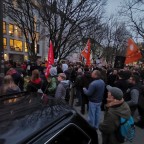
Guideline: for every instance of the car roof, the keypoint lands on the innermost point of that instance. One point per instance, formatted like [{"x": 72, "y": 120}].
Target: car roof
[{"x": 24, "y": 114}]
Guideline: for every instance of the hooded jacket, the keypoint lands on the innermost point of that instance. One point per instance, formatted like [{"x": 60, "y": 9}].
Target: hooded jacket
[
  {"x": 61, "y": 89},
  {"x": 112, "y": 121}
]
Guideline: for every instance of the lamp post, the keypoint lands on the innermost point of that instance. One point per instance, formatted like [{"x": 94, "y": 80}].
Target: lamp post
[{"x": 1, "y": 40}]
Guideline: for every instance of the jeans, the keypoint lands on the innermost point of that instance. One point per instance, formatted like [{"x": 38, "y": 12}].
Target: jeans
[{"x": 94, "y": 113}]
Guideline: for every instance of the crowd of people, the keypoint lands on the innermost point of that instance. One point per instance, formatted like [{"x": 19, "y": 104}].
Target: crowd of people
[{"x": 118, "y": 92}]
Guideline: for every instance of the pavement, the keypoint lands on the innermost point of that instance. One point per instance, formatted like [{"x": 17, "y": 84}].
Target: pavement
[{"x": 139, "y": 138}]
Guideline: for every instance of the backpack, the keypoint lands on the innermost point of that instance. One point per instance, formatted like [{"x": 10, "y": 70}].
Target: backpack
[{"x": 126, "y": 130}]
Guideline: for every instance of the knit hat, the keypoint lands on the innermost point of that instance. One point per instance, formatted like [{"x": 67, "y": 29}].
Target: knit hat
[
  {"x": 53, "y": 71},
  {"x": 115, "y": 92},
  {"x": 64, "y": 67}
]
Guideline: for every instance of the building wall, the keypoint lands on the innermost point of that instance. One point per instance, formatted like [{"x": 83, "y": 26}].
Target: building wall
[{"x": 15, "y": 43}]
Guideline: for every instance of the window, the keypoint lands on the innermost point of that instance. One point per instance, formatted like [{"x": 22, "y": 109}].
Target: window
[
  {"x": 11, "y": 44},
  {"x": 18, "y": 31},
  {"x": 11, "y": 29},
  {"x": 4, "y": 27},
  {"x": 18, "y": 45},
  {"x": 4, "y": 43},
  {"x": 15, "y": 45},
  {"x": 26, "y": 48}
]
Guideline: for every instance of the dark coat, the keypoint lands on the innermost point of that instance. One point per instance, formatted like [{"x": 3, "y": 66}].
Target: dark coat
[
  {"x": 33, "y": 86},
  {"x": 86, "y": 79},
  {"x": 122, "y": 84},
  {"x": 111, "y": 122}
]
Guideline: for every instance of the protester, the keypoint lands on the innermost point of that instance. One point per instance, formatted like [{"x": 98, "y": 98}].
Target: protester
[
  {"x": 18, "y": 79},
  {"x": 9, "y": 87},
  {"x": 78, "y": 87},
  {"x": 112, "y": 77},
  {"x": 132, "y": 94},
  {"x": 35, "y": 82},
  {"x": 85, "y": 80},
  {"x": 122, "y": 82},
  {"x": 62, "y": 86},
  {"x": 64, "y": 67},
  {"x": 39, "y": 66},
  {"x": 116, "y": 108},
  {"x": 59, "y": 69},
  {"x": 95, "y": 94},
  {"x": 140, "y": 122},
  {"x": 52, "y": 82}
]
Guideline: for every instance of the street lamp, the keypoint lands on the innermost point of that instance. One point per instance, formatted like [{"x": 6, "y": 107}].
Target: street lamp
[{"x": 1, "y": 40}]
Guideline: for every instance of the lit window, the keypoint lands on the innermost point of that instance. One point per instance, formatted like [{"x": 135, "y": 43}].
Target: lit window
[
  {"x": 4, "y": 43},
  {"x": 11, "y": 29},
  {"x": 15, "y": 45},
  {"x": 26, "y": 48},
  {"x": 12, "y": 44},
  {"x": 4, "y": 27},
  {"x": 18, "y": 45},
  {"x": 18, "y": 32}
]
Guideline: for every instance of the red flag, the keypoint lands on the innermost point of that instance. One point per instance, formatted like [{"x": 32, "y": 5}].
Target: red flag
[
  {"x": 86, "y": 52},
  {"x": 133, "y": 53},
  {"x": 50, "y": 61}
]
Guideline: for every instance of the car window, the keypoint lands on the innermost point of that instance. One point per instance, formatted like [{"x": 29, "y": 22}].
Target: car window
[{"x": 70, "y": 135}]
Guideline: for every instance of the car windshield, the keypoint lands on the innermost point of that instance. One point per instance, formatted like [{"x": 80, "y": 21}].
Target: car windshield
[{"x": 25, "y": 114}]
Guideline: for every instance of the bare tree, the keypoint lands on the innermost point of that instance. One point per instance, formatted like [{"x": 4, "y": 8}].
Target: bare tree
[
  {"x": 22, "y": 13},
  {"x": 115, "y": 40},
  {"x": 66, "y": 22},
  {"x": 95, "y": 32},
  {"x": 133, "y": 12}
]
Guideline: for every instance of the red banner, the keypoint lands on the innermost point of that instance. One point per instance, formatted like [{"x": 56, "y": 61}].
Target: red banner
[
  {"x": 133, "y": 53},
  {"x": 86, "y": 52},
  {"x": 50, "y": 61}
]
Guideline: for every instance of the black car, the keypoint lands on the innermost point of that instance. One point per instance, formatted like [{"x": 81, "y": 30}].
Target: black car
[{"x": 31, "y": 118}]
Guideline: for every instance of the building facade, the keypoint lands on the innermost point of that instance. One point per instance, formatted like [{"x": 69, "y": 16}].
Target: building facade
[{"x": 15, "y": 44}]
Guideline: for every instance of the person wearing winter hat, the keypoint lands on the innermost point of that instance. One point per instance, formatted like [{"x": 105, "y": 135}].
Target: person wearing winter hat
[
  {"x": 53, "y": 71},
  {"x": 52, "y": 81},
  {"x": 116, "y": 108},
  {"x": 62, "y": 86}
]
